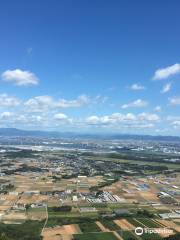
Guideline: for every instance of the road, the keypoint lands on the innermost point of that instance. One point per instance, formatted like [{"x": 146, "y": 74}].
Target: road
[{"x": 45, "y": 220}]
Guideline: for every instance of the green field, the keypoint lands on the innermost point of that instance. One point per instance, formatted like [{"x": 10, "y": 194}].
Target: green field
[
  {"x": 89, "y": 227},
  {"x": 30, "y": 230},
  {"x": 56, "y": 214},
  {"x": 68, "y": 220},
  {"x": 95, "y": 236},
  {"x": 126, "y": 235},
  {"x": 152, "y": 236},
  {"x": 134, "y": 222},
  {"x": 118, "y": 160},
  {"x": 148, "y": 222},
  {"x": 110, "y": 225},
  {"x": 140, "y": 222},
  {"x": 61, "y": 218}
]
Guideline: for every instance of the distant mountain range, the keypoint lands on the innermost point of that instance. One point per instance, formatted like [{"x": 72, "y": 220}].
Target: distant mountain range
[{"x": 13, "y": 132}]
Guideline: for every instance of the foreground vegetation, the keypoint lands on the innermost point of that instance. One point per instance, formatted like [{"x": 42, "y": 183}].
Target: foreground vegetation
[{"x": 30, "y": 230}]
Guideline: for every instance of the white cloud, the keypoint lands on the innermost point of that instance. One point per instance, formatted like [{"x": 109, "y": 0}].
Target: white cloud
[
  {"x": 148, "y": 117},
  {"x": 136, "y": 87},
  {"x": 8, "y": 101},
  {"x": 60, "y": 116},
  {"x": 124, "y": 117},
  {"x": 19, "y": 120},
  {"x": 20, "y": 78},
  {"x": 176, "y": 123},
  {"x": 135, "y": 104},
  {"x": 166, "y": 88},
  {"x": 161, "y": 131},
  {"x": 80, "y": 101},
  {"x": 6, "y": 115},
  {"x": 158, "y": 108},
  {"x": 39, "y": 104},
  {"x": 42, "y": 103},
  {"x": 141, "y": 126},
  {"x": 110, "y": 119},
  {"x": 93, "y": 120},
  {"x": 174, "y": 101},
  {"x": 115, "y": 121},
  {"x": 99, "y": 99},
  {"x": 129, "y": 119},
  {"x": 164, "y": 73}
]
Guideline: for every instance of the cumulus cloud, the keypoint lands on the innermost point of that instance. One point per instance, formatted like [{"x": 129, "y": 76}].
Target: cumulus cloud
[
  {"x": 129, "y": 119},
  {"x": 47, "y": 112},
  {"x": 39, "y": 104},
  {"x": 42, "y": 103},
  {"x": 53, "y": 120},
  {"x": 20, "y": 78},
  {"x": 174, "y": 101},
  {"x": 148, "y": 117},
  {"x": 176, "y": 123},
  {"x": 161, "y": 130},
  {"x": 99, "y": 99},
  {"x": 164, "y": 73},
  {"x": 137, "y": 87},
  {"x": 111, "y": 119},
  {"x": 93, "y": 120},
  {"x": 33, "y": 121},
  {"x": 6, "y": 115},
  {"x": 135, "y": 104},
  {"x": 8, "y": 101},
  {"x": 61, "y": 118},
  {"x": 166, "y": 88},
  {"x": 158, "y": 108},
  {"x": 141, "y": 126},
  {"x": 80, "y": 101}
]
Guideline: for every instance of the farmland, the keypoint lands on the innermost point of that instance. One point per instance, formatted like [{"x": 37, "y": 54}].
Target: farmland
[{"x": 77, "y": 195}]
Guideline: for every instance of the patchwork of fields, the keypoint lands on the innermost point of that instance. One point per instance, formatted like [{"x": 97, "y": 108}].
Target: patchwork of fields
[{"x": 122, "y": 229}]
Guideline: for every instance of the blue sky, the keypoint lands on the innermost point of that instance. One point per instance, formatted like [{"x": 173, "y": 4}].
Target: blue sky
[{"x": 91, "y": 66}]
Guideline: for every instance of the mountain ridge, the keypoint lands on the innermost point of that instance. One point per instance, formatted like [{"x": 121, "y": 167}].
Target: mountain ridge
[{"x": 9, "y": 132}]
